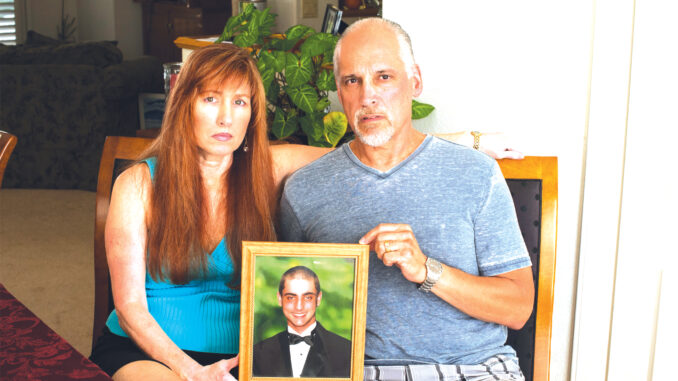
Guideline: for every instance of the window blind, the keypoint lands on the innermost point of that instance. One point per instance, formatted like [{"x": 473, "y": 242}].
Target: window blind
[{"x": 7, "y": 23}]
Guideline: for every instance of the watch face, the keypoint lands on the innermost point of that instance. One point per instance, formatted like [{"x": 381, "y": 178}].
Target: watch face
[{"x": 433, "y": 269}]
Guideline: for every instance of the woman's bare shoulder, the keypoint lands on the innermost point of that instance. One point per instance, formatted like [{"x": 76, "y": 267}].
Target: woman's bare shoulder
[
  {"x": 133, "y": 181},
  {"x": 287, "y": 158}
]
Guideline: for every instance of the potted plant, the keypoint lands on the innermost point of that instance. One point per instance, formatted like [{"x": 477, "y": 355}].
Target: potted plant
[{"x": 296, "y": 68}]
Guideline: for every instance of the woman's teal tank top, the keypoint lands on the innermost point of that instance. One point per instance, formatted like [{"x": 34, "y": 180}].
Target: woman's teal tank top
[{"x": 202, "y": 315}]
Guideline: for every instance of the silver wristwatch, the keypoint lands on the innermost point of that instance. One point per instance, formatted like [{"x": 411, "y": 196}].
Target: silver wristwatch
[{"x": 433, "y": 271}]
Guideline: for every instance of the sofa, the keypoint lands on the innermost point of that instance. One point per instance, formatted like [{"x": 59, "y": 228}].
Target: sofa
[{"x": 61, "y": 100}]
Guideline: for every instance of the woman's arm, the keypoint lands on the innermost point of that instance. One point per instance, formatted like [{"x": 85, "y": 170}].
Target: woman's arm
[
  {"x": 126, "y": 253},
  {"x": 287, "y": 158},
  {"x": 494, "y": 144}
]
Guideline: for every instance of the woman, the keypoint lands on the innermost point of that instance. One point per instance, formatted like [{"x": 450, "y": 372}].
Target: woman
[{"x": 209, "y": 175}]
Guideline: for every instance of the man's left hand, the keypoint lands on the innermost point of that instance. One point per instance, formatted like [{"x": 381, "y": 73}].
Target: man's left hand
[{"x": 395, "y": 244}]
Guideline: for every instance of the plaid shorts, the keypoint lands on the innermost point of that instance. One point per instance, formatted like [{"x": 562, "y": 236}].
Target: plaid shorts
[{"x": 495, "y": 368}]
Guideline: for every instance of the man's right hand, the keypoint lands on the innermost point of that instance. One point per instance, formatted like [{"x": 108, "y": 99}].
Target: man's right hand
[{"x": 395, "y": 244}]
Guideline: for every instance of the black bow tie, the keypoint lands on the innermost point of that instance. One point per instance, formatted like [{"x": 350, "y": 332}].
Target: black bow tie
[{"x": 296, "y": 339}]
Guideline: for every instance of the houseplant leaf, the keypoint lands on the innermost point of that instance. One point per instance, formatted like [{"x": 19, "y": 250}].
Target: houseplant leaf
[
  {"x": 245, "y": 39},
  {"x": 305, "y": 97},
  {"x": 265, "y": 20},
  {"x": 232, "y": 25},
  {"x": 317, "y": 44},
  {"x": 322, "y": 104},
  {"x": 282, "y": 45},
  {"x": 326, "y": 81},
  {"x": 283, "y": 128},
  {"x": 273, "y": 93},
  {"x": 298, "y": 70},
  {"x": 267, "y": 77},
  {"x": 334, "y": 124},
  {"x": 312, "y": 125},
  {"x": 297, "y": 32},
  {"x": 273, "y": 59},
  {"x": 421, "y": 110}
]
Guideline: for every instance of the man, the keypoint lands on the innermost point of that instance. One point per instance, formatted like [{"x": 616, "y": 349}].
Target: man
[
  {"x": 305, "y": 349},
  {"x": 450, "y": 270}
]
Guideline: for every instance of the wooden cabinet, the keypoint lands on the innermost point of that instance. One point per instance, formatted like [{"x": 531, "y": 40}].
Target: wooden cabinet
[{"x": 164, "y": 21}]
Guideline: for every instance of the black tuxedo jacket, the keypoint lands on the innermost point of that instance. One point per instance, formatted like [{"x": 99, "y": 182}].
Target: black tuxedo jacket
[{"x": 329, "y": 356}]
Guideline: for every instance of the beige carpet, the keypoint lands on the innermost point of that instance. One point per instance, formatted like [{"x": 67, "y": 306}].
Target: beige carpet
[{"x": 46, "y": 257}]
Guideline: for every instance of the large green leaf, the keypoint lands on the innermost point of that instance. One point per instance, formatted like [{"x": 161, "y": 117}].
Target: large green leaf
[
  {"x": 326, "y": 81},
  {"x": 274, "y": 60},
  {"x": 334, "y": 124},
  {"x": 248, "y": 10},
  {"x": 272, "y": 93},
  {"x": 298, "y": 70},
  {"x": 266, "y": 20},
  {"x": 317, "y": 44},
  {"x": 322, "y": 104},
  {"x": 304, "y": 97},
  {"x": 281, "y": 127},
  {"x": 267, "y": 77},
  {"x": 281, "y": 45},
  {"x": 297, "y": 32},
  {"x": 254, "y": 23},
  {"x": 265, "y": 59},
  {"x": 280, "y": 60},
  {"x": 312, "y": 125},
  {"x": 245, "y": 39},
  {"x": 421, "y": 110},
  {"x": 328, "y": 55},
  {"x": 232, "y": 25}
]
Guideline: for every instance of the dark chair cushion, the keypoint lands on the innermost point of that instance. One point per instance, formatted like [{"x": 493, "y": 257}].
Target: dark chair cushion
[{"x": 527, "y": 200}]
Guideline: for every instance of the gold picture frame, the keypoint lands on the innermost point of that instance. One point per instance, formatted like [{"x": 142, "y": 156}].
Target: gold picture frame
[{"x": 342, "y": 267}]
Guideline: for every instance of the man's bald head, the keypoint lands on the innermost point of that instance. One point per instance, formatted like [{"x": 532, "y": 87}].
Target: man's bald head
[{"x": 371, "y": 24}]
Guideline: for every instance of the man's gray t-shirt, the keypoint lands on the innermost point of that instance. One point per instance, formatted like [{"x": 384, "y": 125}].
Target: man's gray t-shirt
[{"x": 460, "y": 209}]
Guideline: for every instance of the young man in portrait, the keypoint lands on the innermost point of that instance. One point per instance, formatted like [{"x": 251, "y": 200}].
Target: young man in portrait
[{"x": 305, "y": 348}]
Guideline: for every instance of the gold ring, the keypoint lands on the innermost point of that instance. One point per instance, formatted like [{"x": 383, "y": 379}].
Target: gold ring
[{"x": 386, "y": 246}]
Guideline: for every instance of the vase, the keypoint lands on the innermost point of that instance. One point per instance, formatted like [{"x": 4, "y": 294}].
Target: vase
[{"x": 353, "y": 4}]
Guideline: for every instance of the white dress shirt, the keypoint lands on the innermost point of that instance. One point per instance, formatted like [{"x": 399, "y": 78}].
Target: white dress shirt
[{"x": 299, "y": 351}]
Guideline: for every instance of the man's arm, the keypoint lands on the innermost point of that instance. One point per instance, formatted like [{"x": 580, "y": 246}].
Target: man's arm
[
  {"x": 289, "y": 229},
  {"x": 505, "y": 299}
]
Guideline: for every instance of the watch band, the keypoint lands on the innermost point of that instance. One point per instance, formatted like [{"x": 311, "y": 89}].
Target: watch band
[
  {"x": 476, "y": 139},
  {"x": 433, "y": 272}
]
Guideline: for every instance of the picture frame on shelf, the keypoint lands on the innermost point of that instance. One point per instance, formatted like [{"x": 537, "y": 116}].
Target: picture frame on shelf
[
  {"x": 151, "y": 110},
  {"x": 328, "y": 282},
  {"x": 332, "y": 19}
]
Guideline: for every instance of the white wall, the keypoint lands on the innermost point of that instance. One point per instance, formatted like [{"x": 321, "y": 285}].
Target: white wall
[
  {"x": 95, "y": 19},
  {"x": 290, "y": 12},
  {"x": 627, "y": 288},
  {"x": 128, "y": 28},
  {"x": 575, "y": 80},
  {"x": 521, "y": 68},
  {"x": 112, "y": 20},
  {"x": 44, "y": 16}
]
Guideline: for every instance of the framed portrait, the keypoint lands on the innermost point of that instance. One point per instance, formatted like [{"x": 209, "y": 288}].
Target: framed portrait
[
  {"x": 151, "y": 110},
  {"x": 332, "y": 19},
  {"x": 302, "y": 311}
]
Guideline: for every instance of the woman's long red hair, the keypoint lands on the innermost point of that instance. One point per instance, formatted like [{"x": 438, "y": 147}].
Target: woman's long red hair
[{"x": 178, "y": 238}]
